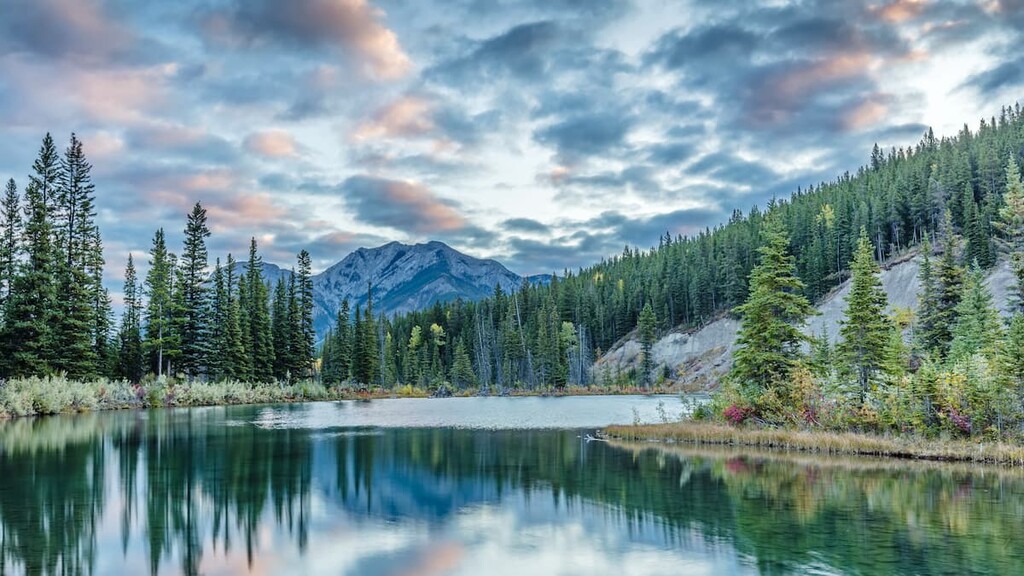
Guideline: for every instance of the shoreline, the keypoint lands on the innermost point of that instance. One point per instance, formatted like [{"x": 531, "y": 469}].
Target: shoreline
[
  {"x": 826, "y": 443},
  {"x": 50, "y": 396}
]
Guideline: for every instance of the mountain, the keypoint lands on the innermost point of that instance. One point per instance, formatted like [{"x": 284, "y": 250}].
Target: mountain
[{"x": 404, "y": 278}]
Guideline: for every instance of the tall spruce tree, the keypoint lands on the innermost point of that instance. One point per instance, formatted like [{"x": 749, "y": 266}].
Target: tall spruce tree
[
  {"x": 280, "y": 331},
  {"x": 194, "y": 320},
  {"x": 770, "y": 338},
  {"x": 28, "y": 345},
  {"x": 10, "y": 240},
  {"x": 1010, "y": 226},
  {"x": 102, "y": 309},
  {"x": 236, "y": 361},
  {"x": 161, "y": 344},
  {"x": 978, "y": 327},
  {"x": 866, "y": 330},
  {"x": 293, "y": 356},
  {"x": 45, "y": 174},
  {"x": 975, "y": 243},
  {"x": 304, "y": 284},
  {"x": 949, "y": 278},
  {"x": 928, "y": 301},
  {"x": 129, "y": 357},
  {"x": 257, "y": 303},
  {"x": 1011, "y": 359},
  {"x": 217, "y": 364},
  {"x": 646, "y": 326},
  {"x": 341, "y": 349}
]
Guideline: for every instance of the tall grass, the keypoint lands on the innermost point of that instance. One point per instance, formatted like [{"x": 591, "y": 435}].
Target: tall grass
[
  {"x": 59, "y": 395},
  {"x": 912, "y": 447}
]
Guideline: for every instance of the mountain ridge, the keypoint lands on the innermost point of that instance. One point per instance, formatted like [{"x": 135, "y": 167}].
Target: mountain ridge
[{"x": 404, "y": 278}]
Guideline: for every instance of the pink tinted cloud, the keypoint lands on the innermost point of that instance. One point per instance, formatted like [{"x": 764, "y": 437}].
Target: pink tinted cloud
[
  {"x": 272, "y": 144},
  {"x": 401, "y": 204},
  {"x": 899, "y": 11},
  {"x": 866, "y": 114},
  {"x": 437, "y": 215},
  {"x": 242, "y": 211},
  {"x": 353, "y": 25},
  {"x": 406, "y": 117}
]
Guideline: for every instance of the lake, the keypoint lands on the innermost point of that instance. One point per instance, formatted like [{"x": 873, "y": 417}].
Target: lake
[{"x": 473, "y": 486}]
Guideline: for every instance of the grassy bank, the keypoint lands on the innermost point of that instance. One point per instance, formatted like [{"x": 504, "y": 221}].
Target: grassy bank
[
  {"x": 57, "y": 395},
  {"x": 910, "y": 447}
]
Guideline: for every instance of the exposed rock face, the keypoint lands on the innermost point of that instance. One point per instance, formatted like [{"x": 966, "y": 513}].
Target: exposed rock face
[{"x": 699, "y": 357}]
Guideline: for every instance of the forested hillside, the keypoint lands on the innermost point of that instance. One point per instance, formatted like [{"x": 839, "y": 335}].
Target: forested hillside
[{"x": 549, "y": 335}]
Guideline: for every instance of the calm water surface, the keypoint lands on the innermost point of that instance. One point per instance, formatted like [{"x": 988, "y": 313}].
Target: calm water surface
[{"x": 473, "y": 486}]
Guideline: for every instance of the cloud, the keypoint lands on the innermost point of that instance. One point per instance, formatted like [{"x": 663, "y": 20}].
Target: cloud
[
  {"x": 75, "y": 30},
  {"x": 352, "y": 25},
  {"x": 272, "y": 144},
  {"x": 866, "y": 114},
  {"x": 523, "y": 52},
  {"x": 1006, "y": 75},
  {"x": 900, "y": 10},
  {"x": 526, "y": 225},
  {"x": 585, "y": 134},
  {"x": 408, "y": 116},
  {"x": 401, "y": 205},
  {"x": 196, "y": 145}
]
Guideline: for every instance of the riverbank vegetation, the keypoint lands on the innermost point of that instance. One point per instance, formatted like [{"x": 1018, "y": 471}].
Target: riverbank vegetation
[
  {"x": 823, "y": 442},
  {"x": 59, "y": 395}
]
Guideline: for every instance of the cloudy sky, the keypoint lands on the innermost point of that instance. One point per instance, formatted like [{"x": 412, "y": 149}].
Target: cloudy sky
[{"x": 544, "y": 133}]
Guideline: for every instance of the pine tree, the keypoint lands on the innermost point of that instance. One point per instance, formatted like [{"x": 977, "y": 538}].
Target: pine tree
[
  {"x": 977, "y": 248},
  {"x": 462, "y": 375},
  {"x": 1010, "y": 226},
  {"x": 367, "y": 365},
  {"x": 194, "y": 320},
  {"x": 304, "y": 285},
  {"x": 73, "y": 216},
  {"x": 338, "y": 355},
  {"x": 646, "y": 330},
  {"x": 28, "y": 345},
  {"x": 978, "y": 327},
  {"x": 280, "y": 330},
  {"x": 1011, "y": 359},
  {"x": 10, "y": 240},
  {"x": 949, "y": 288},
  {"x": 237, "y": 366},
  {"x": 218, "y": 365},
  {"x": 865, "y": 331},
  {"x": 294, "y": 356},
  {"x": 928, "y": 334},
  {"x": 45, "y": 174},
  {"x": 161, "y": 343},
  {"x": 129, "y": 358},
  {"x": 102, "y": 310},
  {"x": 769, "y": 338},
  {"x": 257, "y": 300}
]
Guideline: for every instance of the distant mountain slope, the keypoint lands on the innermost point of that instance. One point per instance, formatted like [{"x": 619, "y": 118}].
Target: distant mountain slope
[{"x": 405, "y": 278}]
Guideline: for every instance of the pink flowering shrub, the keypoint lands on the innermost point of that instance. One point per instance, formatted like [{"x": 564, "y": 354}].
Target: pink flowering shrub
[{"x": 736, "y": 415}]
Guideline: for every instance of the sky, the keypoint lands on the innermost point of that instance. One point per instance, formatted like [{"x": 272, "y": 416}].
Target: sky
[{"x": 546, "y": 134}]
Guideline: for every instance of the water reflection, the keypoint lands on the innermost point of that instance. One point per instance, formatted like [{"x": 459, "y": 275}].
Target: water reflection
[{"x": 187, "y": 491}]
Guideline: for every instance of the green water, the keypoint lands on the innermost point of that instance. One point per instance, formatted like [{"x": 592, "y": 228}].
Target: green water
[{"x": 472, "y": 486}]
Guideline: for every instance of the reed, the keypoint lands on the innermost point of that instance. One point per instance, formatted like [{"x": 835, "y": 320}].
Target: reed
[{"x": 910, "y": 447}]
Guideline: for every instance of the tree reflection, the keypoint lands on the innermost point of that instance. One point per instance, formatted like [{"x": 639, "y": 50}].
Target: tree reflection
[{"x": 195, "y": 484}]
